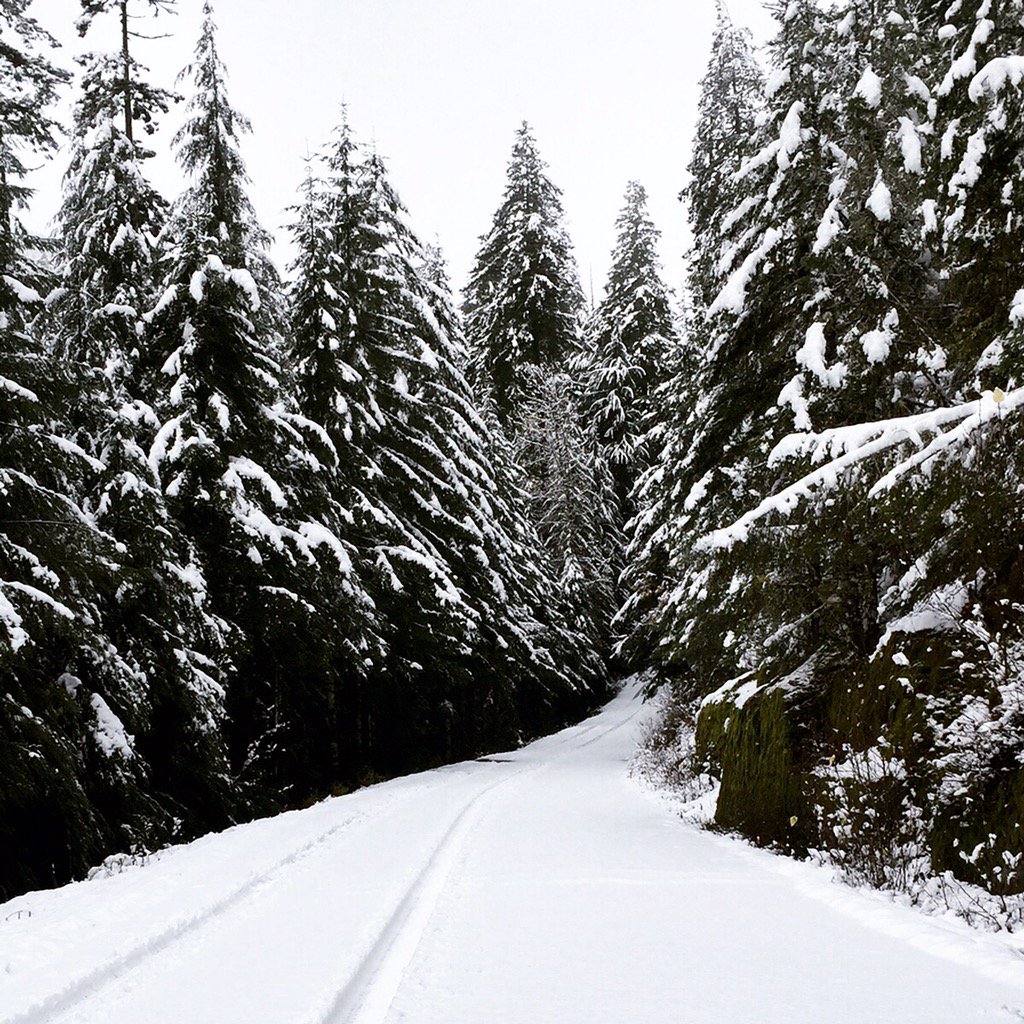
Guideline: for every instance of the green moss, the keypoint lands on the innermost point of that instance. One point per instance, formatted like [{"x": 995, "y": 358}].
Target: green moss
[{"x": 752, "y": 748}]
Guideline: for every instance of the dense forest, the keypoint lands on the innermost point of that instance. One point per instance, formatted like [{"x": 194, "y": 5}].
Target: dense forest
[
  {"x": 828, "y": 563},
  {"x": 268, "y": 535}
]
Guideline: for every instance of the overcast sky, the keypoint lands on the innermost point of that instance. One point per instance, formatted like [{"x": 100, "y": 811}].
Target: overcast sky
[{"x": 610, "y": 87}]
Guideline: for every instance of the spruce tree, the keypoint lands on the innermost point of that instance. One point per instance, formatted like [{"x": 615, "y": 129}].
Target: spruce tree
[
  {"x": 524, "y": 312},
  {"x": 523, "y": 301},
  {"x": 158, "y": 607},
  {"x": 61, "y": 772},
  {"x": 731, "y": 100},
  {"x": 815, "y": 551},
  {"x": 378, "y": 351},
  {"x": 973, "y": 175},
  {"x": 632, "y": 334},
  {"x": 571, "y": 501},
  {"x": 235, "y": 461}
]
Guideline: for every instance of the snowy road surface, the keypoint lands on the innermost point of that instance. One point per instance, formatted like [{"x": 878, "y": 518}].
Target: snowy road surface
[{"x": 538, "y": 886}]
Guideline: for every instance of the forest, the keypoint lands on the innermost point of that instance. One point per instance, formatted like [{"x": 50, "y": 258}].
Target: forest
[{"x": 272, "y": 534}]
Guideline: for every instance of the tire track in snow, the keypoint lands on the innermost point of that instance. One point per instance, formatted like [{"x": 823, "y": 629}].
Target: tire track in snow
[
  {"x": 614, "y": 728},
  {"x": 89, "y": 984},
  {"x": 368, "y": 994}
]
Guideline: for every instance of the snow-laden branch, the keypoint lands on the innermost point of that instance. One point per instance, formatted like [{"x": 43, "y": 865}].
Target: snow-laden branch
[
  {"x": 995, "y": 76},
  {"x": 845, "y": 447}
]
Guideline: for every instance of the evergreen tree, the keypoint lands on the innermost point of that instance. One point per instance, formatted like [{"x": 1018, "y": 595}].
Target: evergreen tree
[
  {"x": 157, "y": 609},
  {"x": 524, "y": 312},
  {"x": 378, "y": 353},
  {"x": 58, "y": 766},
  {"x": 834, "y": 602},
  {"x": 571, "y": 500},
  {"x": 973, "y": 180},
  {"x": 236, "y": 465},
  {"x": 731, "y": 100},
  {"x": 523, "y": 302},
  {"x": 632, "y": 341}
]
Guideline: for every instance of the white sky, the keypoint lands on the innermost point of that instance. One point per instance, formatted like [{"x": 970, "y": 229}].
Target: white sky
[{"x": 610, "y": 87}]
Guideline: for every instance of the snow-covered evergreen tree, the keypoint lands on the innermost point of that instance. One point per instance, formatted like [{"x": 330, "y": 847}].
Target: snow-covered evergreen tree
[
  {"x": 524, "y": 311},
  {"x": 55, "y": 665},
  {"x": 571, "y": 500},
  {"x": 378, "y": 352},
  {"x": 632, "y": 343},
  {"x": 974, "y": 176},
  {"x": 235, "y": 461},
  {"x": 816, "y": 552},
  {"x": 523, "y": 301},
  {"x": 730, "y": 103},
  {"x": 157, "y": 611}
]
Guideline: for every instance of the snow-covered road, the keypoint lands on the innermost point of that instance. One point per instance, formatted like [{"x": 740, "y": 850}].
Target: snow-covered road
[{"x": 538, "y": 886}]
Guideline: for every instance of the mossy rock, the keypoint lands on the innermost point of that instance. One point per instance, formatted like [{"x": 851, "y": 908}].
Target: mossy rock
[{"x": 751, "y": 744}]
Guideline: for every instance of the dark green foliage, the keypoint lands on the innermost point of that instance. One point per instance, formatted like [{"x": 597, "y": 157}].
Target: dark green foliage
[
  {"x": 523, "y": 302},
  {"x": 523, "y": 323},
  {"x": 852, "y": 272},
  {"x": 455, "y": 585},
  {"x": 632, "y": 341}
]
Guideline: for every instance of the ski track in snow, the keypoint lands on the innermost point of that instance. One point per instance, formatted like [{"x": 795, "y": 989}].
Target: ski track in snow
[
  {"x": 366, "y": 997},
  {"x": 538, "y": 886}
]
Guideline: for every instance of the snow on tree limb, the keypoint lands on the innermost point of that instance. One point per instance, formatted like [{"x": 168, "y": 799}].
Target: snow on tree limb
[
  {"x": 994, "y": 76},
  {"x": 846, "y": 447}
]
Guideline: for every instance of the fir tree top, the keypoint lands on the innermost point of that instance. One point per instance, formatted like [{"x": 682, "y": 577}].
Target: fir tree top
[
  {"x": 524, "y": 300},
  {"x": 29, "y": 81},
  {"x": 207, "y": 149}
]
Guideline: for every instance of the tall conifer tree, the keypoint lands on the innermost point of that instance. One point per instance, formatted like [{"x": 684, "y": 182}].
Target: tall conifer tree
[
  {"x": 235, "y": 459},
  {"x": 523, "y": 302},
  {"x": 632, "y": 343}
]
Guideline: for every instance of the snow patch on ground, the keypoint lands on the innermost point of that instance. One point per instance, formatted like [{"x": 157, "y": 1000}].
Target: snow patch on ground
[{"x": 541, "y": 884}]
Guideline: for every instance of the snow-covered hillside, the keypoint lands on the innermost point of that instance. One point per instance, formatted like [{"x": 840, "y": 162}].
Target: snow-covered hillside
[{"x": 543, "y": 885}]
